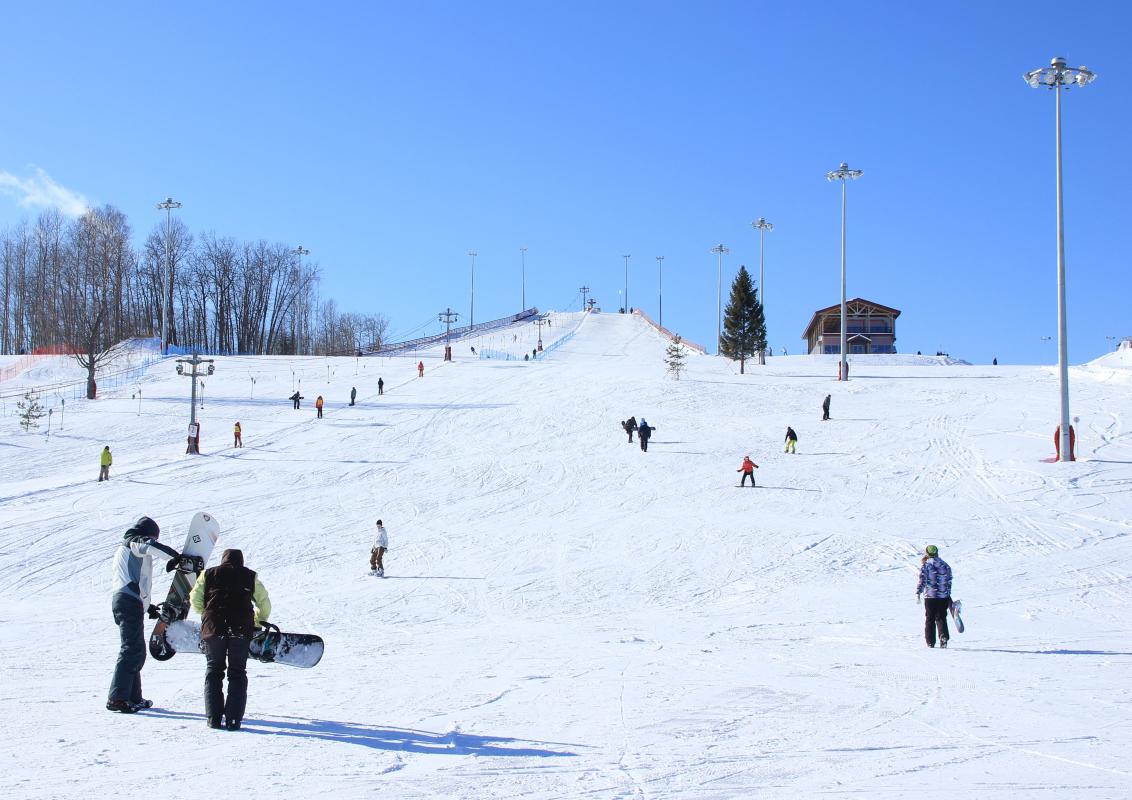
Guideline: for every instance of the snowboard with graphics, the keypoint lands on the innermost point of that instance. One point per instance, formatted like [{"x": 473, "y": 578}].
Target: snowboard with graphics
[
  {"x": 956, "y": 610},
  {"x": 201, "y": 538},
  {"x": 270, "y": 645}
]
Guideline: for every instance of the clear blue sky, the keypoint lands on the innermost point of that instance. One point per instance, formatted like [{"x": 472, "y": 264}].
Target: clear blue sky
[{"x": 391, "y": 138}]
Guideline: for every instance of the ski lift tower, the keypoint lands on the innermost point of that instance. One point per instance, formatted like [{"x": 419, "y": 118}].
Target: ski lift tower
[
  {"x": 447, "y": 317},
  {"x": 194, "y": 426}
]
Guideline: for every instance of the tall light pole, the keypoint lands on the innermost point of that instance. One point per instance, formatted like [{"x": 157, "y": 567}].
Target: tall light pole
[
  {"x": 762, "y": 226},
  {"x": 721, "y": 251},
  {"x": 843, "y": 174},
  {"x": 301, "y": 251},
  {"x": 167, "y": 288},
  {"x": 1058, "y": 76},
  {"x": 660, "y": 288},
  {"x": 472, "y": 315},
  {"x": 523, "y": 251},
  {"x": 584, "y": 290},
  {"x": 626, "y": 301}
]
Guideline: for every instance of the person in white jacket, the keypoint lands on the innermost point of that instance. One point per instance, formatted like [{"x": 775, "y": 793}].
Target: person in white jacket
[
  {"x": 132, "y": 579},
  {"x": 377, "y": 552}
]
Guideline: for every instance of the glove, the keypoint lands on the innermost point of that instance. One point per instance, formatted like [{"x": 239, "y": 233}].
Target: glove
[
  {"x": 917, "y": 599},
  {"x": 173, "y": 563},
  {"x": 153, "y": 611}
]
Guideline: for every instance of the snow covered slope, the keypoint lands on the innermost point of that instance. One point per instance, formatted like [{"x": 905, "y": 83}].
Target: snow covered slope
[{"x": 567, "y": 616}]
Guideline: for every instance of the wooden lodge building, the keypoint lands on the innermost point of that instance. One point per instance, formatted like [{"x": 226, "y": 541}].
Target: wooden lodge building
[{"x": 870, "y": 328}]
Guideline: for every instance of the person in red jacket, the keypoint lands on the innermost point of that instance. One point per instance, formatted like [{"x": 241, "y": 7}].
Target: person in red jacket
[
  {"x": 420, "y": 369},
  {"x": 748, "y": 470}
]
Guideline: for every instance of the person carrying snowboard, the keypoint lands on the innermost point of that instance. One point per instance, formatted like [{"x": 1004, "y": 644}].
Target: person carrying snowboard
[
  {"x": 825, "y": 409},
  {"x": 353, "y": 394},
  {"x": 791, "y": 439},
  {"x": 295, "y": 398},
  {"x": 132, "y": 580},
  {"x": 318, "y": 406},
  {"x": 935, "y": 586},
  {"x": 104, "y": 462},
  {"x": 644, "y": 433},
  {"x": 420, "y": 369},
  {"x": 237, "y": 433},
  {"x": 224, "y": 597},
  {"x": 377, "y": 552},
  {"x": 629, "y": 426},
  {"x": 748, "y": 469},
  {"x": 380, "y": 386}
]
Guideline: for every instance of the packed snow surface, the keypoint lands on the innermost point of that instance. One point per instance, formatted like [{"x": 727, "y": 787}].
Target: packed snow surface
[{"x": 568, "y": 616}]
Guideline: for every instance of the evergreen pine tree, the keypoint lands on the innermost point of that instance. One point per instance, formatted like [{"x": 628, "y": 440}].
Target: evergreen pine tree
[
  {"x": 674, "y": 357},
  {"x": 30, "y": 411},
  {"x": 744, "y": 327}
]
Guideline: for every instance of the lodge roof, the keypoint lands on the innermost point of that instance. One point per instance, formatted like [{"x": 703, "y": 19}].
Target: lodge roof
[{"x": 837, "y": 307}]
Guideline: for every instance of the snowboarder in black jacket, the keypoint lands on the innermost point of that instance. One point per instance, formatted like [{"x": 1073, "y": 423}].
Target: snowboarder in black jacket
[
  {"x": 791, "y": 439},
  {"x": 224, "y": 597},
  {"x": 825, "y": 408},
  {"x": 644, "y": 433},
  {"x": 295, "y": 398},
  {"x": 629, "y": 426}
]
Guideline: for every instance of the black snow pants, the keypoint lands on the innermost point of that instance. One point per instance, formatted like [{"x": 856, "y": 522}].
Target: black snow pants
[
  {"x": 935, "y": 619},
  {"x": 130, "y": 618},
  {"x": 233, "y": 651}
]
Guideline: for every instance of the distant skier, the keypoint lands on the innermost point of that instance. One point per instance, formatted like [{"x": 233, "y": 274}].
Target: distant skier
[
  {"x": 825, "y": 408},
  {"x": 935, "y": 585},
  {"x": 748, "y": 469},
  {"x": 318, "y": 406},
  {"x": 629, "y": 426},
  {"x": 377, "y": 552},
  {"x": 353, "y": 394},
  {"x": 994, "y": 361},
  {"x": 380, "y": 386},
  {"x": 223, "y": 596},
  {"x": 295, "y": 398},
  {"x": 237, "y": 434},
  {"x": 644, "y": 433},
  {"x": 104, "y": 461},
  {"x": 474, "y": 351},
  {"x": 132, "y": 579},
  {"x": 791, "y": 439},
  {"x": 420, "y": 369}
]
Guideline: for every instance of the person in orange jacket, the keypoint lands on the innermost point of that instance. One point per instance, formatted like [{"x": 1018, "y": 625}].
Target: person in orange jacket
[
  {"x": 748, "y": 470},
  {"x": 318, "y": 405},
  {"x": 420, "y": 369},
  {"x": 237, "y": 433}
]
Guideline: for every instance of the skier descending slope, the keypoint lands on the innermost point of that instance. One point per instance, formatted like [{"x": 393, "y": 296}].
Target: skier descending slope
[
  {"x": 132, "y": 579},
  {"x": 935, "y": 585}
]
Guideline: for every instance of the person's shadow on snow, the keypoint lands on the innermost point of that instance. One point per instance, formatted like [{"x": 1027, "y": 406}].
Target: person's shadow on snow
[{"x": 405, "y": 740}]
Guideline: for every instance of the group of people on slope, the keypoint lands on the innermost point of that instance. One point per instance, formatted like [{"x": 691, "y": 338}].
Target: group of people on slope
[
  {"x": 642, "y": 429},
  {"x": 320, "y": 402},
  {"x": 232, "y": 603}
]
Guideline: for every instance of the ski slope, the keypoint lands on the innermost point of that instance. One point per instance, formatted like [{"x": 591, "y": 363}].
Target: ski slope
[{"x": 567, "y": 616}]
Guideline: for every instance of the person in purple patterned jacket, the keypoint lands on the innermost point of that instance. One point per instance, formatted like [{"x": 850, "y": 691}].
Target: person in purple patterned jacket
[{"x": 935, "y": 586}]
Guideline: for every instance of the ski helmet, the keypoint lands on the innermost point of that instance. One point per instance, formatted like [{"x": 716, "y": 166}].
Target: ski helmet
[{"x": 932, "y": 550}]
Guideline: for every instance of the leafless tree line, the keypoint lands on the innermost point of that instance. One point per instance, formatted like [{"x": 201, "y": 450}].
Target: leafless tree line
[{"x": 78, "y": 285}]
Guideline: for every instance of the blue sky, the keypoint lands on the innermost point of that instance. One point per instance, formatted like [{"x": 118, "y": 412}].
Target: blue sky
[{"x": 391, "y": 138}]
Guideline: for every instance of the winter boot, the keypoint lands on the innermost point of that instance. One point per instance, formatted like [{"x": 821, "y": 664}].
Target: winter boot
[
  {"x": 214, "y": 722},
  {"x": 943, "y": 643},
  {"x": 233, "y": 724},
  {"x": 142, "y": 704},
  {"x": 120, "y": 706},
  {"x": 380, "y": 572}
]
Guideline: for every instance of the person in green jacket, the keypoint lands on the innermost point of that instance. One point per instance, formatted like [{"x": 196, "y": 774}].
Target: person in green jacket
[
  {"x": 105, "y": 462},
  {"x": 224, "y": 597}
]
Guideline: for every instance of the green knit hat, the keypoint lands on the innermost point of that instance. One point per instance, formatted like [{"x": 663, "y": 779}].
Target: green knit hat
[{"x": 932, "y": 550}]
